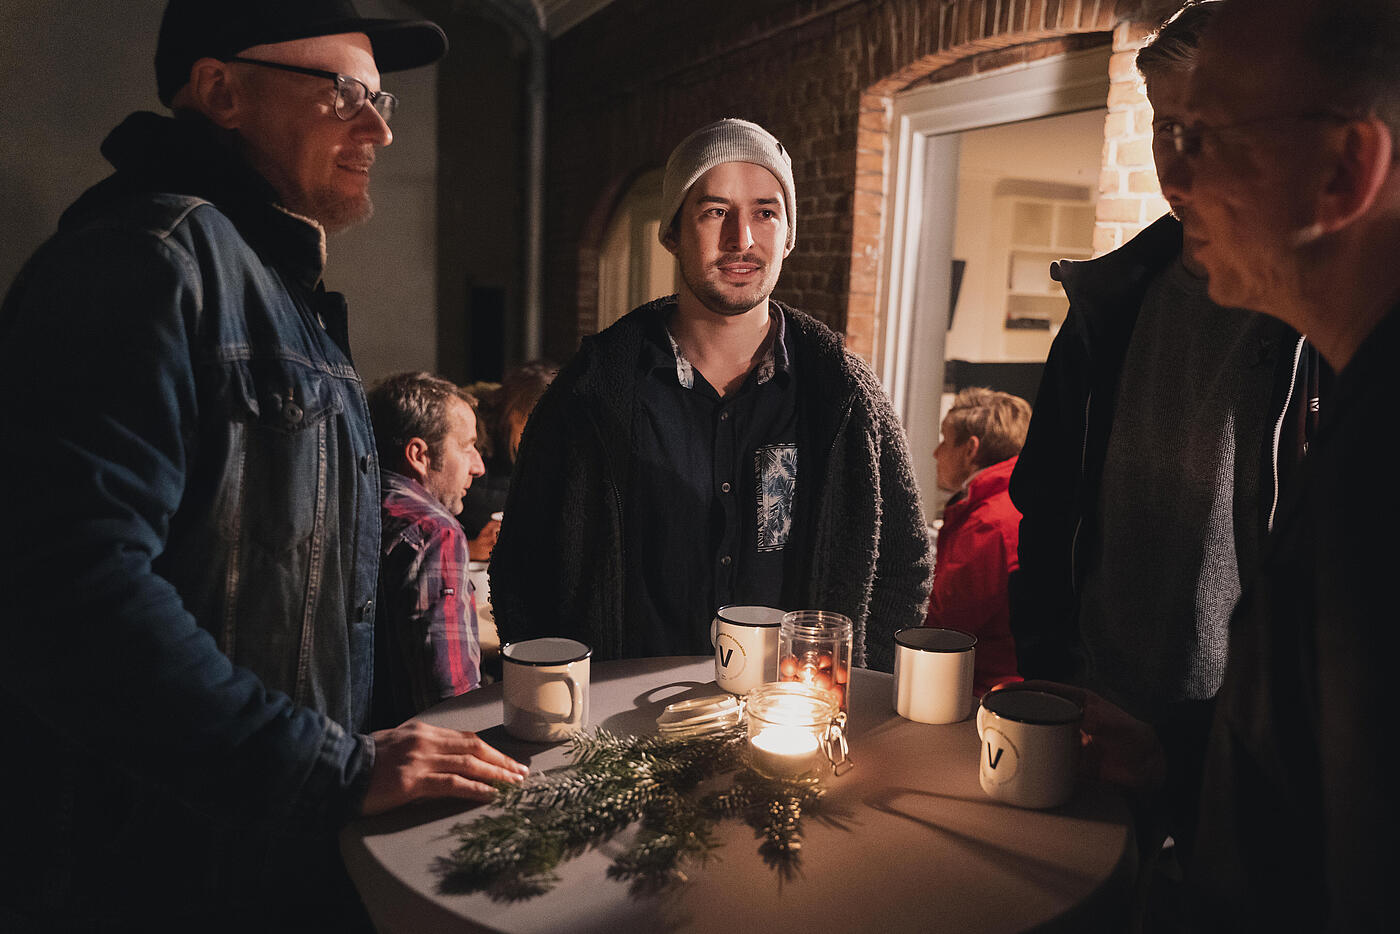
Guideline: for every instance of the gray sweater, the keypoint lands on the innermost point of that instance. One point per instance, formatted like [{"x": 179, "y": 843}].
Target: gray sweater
[{"x": 1177, "y": 526}]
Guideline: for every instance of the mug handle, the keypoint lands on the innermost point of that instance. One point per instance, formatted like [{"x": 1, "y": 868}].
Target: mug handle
[{"x": 576, "y": 698}]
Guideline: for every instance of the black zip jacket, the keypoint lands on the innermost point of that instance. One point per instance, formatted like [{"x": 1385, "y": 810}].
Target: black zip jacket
[{"x": 1058, "y": 476}]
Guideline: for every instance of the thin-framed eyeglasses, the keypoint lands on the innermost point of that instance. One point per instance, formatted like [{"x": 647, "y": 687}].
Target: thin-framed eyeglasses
[
  {"x": 351, "y": 94},
  {"x": 1188, "y": 140}
]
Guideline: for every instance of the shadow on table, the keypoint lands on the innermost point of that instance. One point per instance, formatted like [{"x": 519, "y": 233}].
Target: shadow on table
[
  {"x": 1043, "y": 872},
  {"x": 414, "y": 814},
  {"x": 1104, "y": 909},
  {"x": 649, "y": 704},
  {"x": 522, "y": 751}
]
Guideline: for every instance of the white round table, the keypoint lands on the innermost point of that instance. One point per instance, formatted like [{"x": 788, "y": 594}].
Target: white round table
[{"x": 918, "y": 846}]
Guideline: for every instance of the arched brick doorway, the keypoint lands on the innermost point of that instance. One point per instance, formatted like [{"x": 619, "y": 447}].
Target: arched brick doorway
[
  {"x": 974, "y": 37},
  {"x": 817, "y": 74}
]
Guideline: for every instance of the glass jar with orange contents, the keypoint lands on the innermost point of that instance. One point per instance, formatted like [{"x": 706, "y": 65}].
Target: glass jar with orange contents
[{"x": 814, "y": 647}]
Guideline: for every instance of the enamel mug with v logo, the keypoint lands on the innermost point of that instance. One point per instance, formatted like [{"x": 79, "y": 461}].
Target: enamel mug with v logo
[
  {"x": 746, "y": 646},
  {"x": 1030, "y": 747}
]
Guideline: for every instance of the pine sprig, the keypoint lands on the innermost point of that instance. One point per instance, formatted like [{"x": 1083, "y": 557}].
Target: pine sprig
[
  {"x": 613, "y": 782},
  {"x": 774, "y": 809}
]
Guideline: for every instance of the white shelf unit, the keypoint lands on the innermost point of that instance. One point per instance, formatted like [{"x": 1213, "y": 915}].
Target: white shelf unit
[{"x": 1041, "y": 231}]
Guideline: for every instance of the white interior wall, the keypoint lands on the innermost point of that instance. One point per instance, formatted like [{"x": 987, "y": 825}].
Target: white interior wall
[
  {"x": 1066, "y": 149},
  {"x": 387, "y": 268}
]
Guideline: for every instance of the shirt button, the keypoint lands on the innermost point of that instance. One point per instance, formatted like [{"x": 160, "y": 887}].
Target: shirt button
[
  {"x": 724, "y": 416},
  {"x": 724, "y": 487},
  {"x": 726, "y": 561}
]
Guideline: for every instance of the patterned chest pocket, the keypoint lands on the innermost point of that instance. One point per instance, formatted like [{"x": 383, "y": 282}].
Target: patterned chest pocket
[{"x": 775, "y": 475}]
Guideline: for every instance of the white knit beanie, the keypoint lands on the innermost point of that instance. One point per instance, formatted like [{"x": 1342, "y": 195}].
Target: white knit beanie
[{"x": 727, "y": 140}]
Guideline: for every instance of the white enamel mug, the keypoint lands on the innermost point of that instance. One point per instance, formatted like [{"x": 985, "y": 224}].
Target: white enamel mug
[
  {"x": 933, "y": 674},
  {"x": 1030, "y": 747},
  {"x": 545, "y": 688},
  {"x": 746, "y": 646},
  {"x": 481, "y": 581}
]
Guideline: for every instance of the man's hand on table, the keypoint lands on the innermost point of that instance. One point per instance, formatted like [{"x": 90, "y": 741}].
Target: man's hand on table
[{"x": 419, "y": 760}]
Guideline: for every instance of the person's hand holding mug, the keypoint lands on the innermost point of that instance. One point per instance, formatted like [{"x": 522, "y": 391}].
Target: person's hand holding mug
[
  {"x": 479, "y": 548},
  {"x": 1116, "y": 747}
]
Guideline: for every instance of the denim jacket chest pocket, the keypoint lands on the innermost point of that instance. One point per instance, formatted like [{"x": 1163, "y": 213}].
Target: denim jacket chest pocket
[
  {"x": 283, "y": 427},
  {"x": 287, "y": 508}
]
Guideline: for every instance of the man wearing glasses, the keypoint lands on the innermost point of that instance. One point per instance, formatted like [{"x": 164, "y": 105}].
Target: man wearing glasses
[
  {"x": 1163, "y": 431},
  {"x": 1292, "y": 145},
  {"x": 191, "y": 555}
]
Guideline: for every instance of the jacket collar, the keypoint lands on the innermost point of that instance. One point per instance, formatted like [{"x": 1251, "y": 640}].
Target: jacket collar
[
  {"x": 812, "y": 350},
  {"x": 661, "y": 351},
  {"x": 986, "y": 483},
  {"x": 1111, "y": 279},
  {"x": 1107, "y": 291},
  {"x": 185, "y": 156}
]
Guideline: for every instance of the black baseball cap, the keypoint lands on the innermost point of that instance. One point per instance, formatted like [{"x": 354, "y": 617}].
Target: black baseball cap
[{"x": 195, "y": 29}]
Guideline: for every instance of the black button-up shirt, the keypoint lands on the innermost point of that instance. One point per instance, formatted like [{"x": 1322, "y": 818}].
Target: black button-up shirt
[{"x": 712, "y": 481}]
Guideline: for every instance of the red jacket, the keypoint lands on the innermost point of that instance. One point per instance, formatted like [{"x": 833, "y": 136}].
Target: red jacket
[{"x": 976, "y": 555}]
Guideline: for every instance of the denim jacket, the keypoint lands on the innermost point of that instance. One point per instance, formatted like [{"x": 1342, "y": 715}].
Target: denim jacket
[{"x": 191, "y": 553}]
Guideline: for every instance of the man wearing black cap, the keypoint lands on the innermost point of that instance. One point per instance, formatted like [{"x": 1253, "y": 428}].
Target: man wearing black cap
[{"x": 186, "y": 651}]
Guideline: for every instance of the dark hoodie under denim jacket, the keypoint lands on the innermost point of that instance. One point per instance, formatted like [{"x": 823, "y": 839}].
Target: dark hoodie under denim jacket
[{"x": 190, "y": 549}]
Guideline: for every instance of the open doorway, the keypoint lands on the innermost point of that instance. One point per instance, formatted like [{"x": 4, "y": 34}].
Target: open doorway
[
  {"x": 996, "y": 176},
  {"x": 633, "y": 266},
  {"x": 1026, "y": 195}
]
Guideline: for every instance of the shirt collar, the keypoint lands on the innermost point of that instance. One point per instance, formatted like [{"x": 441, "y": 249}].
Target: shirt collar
[
  {"x": 775, "y": 357},
  {"x": 391, "y": 481}
]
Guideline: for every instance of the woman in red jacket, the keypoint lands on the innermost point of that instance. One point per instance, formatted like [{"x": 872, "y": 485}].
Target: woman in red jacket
[{"x": 982, "y": 434}]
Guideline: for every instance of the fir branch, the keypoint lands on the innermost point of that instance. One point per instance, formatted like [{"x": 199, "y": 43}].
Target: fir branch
[{"x": 613, "y": 782}]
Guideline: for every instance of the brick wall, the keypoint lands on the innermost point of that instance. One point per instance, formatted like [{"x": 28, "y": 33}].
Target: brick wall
[
  {"x": 1129, "y": 197},
  {"x": 627, "y": 84}
]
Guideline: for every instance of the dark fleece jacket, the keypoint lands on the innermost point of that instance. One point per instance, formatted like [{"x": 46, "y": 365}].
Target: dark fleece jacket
[{"x": 861, "y": 546}]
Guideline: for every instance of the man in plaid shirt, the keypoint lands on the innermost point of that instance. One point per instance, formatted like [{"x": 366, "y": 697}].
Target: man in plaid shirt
[{"x": 426, "y": 639}]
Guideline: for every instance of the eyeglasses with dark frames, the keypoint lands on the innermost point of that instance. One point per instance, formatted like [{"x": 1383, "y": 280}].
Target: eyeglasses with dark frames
[
  {"x": 1188, "y": 140},
  {"x": 351, "y": 94}
]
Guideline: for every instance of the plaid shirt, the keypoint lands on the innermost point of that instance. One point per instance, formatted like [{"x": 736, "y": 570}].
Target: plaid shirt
[{"x": 426, "y": 642}]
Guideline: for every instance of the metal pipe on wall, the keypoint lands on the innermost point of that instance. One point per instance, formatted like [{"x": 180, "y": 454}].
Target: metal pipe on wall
[
  {"x": 532, "y": 337},
  {"x": 528, "y": 19}
]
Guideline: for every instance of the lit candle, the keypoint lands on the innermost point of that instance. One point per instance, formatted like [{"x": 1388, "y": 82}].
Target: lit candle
[
  {"x": 786, "y": 741},
  {"x": 784, "y": 735},
  {"x": 784, "y": 750}
]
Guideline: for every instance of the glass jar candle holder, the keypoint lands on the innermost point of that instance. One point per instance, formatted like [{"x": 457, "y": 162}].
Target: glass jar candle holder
[
  {"x": 814, "y": 648},
  {"x": 795, "y": 729}
]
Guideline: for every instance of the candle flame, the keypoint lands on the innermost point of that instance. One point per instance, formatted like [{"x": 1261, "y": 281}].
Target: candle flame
[{"x": 786, "y": 741}]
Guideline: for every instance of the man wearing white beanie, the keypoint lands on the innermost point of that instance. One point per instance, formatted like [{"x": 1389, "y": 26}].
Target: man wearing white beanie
[{"x": 713, "y": 447}]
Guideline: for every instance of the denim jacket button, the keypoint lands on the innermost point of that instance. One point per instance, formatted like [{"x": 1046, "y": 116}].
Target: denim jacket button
[
  {"x": 291, "y": 412},
  {"x": 366, "y": 609}
]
